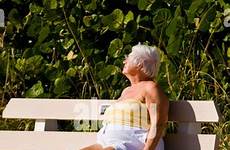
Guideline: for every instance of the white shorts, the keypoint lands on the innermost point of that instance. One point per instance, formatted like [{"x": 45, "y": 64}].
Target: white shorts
[{"x": 124, "y": 137}]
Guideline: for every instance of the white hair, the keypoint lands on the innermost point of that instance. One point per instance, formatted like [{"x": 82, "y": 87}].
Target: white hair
[{"x": 147, "y": 58}]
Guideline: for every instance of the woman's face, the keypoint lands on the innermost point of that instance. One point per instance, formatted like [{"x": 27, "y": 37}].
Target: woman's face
[{"x": 129, "y": 68}]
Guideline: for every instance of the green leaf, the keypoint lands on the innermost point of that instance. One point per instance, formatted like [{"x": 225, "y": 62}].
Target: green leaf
[
  {"x": 127, "y": 37},
  {"x": 87, "y": 20},
  {"x": 34, "y": 26},
  {"x": 35, "y": 91},
  {"x": 14, "y": 18},
  {"x": 162, "y": 17},
  {"x": 89, "y": 7},
  {"x": 61, "y": 86},
  {"x": 34, "y": 65},
  {"x": 71, "y": 72},
  {"x": 68, "y": 43},
  {"x": 128, "y": 17},
  {"x": 145, "y": 4},
  {"x": 35, "y": 8},
  {"x": 52, "y": 4},
  {"x": 174, "y": 43},
  {"x": 207, "y": 18},
  {"x": 193, "y": 9},
  {"x": 115, "y": 48},
  {"x": 115, "y": 20},
  {"x": 47, "y": 47},
  {"x": 108, "y": 71},
  {"x": 72, "y": 19},
  {"x": 131, "y": 27},
  {"x": 228, "y": 52},
  {"x": 175, "y": 26},
  {"x": 52, "y": 72},
  {"x": 43, "y": 35},
  {"x": 20, "y": 65},
  {"x": 61, "y": 3},
  {"x": 17, "y": 1}
]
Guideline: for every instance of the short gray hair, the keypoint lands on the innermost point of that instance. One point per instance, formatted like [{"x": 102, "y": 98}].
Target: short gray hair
[{"x": 147, "y": 58}]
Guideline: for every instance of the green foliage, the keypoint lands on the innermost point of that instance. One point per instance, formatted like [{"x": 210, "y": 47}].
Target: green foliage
[{"x": 75, "y": 49}]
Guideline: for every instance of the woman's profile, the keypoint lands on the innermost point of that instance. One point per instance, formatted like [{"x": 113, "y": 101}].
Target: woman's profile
[{"x": 138, "y": 119}]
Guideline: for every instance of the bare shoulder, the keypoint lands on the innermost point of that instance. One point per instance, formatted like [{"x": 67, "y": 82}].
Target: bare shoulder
[
  {"x": 150, "y": 85},
  {"x": 153, "y": 92},
  {"x": 124, "y": 90}
]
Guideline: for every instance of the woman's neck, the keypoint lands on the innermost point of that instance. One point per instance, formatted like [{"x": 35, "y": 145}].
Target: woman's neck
[{"x": 134, "y": 80}]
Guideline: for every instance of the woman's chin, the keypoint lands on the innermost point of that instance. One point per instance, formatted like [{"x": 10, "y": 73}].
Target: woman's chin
[{"x": 124, "y": 72}]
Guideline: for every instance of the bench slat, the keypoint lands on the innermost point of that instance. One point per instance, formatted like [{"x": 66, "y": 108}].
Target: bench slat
[
  {"x": 193, "y": 111},
  {"x": 58, "y": 109},
  {"x": 74, "y": 109},
  {"x": 191, "y": 142},
  {"x": 49, "y": 140}
]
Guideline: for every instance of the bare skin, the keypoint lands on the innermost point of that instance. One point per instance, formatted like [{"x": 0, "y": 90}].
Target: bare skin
[{"x": 147, "y": 91}]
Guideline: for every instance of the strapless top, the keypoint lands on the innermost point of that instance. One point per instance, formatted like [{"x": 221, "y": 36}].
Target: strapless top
[{"x": 128, "y": 112}]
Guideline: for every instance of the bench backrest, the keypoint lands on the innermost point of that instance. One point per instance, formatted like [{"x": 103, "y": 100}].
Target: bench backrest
[{"x": 75, "y": 109}]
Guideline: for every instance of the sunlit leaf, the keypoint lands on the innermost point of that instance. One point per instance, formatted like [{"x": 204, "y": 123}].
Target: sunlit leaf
[
  {"x": 115, "y": 48},
  {"x": 108, "y": 71},
  {"x": 145, "y": 4},
  {"x": 71, "y": 72},
  {"x": 71, "y": 55},
  {"x": 115, "y": 20},
  {"x": 36, "y": 90},
  {"x": 90, "y": 5},
  {"x": 61, "y": 86},
  {"x": 35, "y": 8},
  {"x": 128, "y": 17},
  {"x": 20, "y": 65},
  {"x": 68, "y": 43}
]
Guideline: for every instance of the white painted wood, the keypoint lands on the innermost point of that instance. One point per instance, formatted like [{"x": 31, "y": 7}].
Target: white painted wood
[
  {"x": 193, "y": 111},
  {"x": 51, "y": 140},
  {"x": 45, "y": 125},
  {"x": 48, "y": 140},
  {"x": 191, "y": 142},
  {"x": 75, "y": 109},
  {"x": 2, "y": 18},
  {"x": 39, "y": 125},
  {"x": 62, "y": 109}
]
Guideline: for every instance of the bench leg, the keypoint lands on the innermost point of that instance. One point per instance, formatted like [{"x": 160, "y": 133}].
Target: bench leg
[{"x": 45, "y": 125}]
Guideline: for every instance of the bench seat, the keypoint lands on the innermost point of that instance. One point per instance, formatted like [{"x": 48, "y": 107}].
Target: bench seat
[{"x": 53, "y": 140}]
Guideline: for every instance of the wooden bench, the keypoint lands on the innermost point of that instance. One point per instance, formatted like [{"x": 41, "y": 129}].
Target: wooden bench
[{"x": 46, "y": 112}]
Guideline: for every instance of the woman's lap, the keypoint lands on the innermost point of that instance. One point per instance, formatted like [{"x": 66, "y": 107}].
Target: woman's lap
[{"x": 122, "y": 137}]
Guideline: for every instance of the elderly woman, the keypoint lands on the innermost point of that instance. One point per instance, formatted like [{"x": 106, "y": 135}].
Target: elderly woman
[{"x": 138, "y": 119}]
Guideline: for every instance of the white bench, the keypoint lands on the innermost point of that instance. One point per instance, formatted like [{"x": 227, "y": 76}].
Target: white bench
[{"x": 188, "y": 115}]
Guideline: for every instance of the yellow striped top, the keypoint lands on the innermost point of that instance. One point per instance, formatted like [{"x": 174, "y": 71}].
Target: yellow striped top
[{"x": 129, "y": 112}]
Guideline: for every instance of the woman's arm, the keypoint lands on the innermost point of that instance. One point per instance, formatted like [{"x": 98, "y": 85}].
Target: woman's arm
[{"x": 158, "y": 114}]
